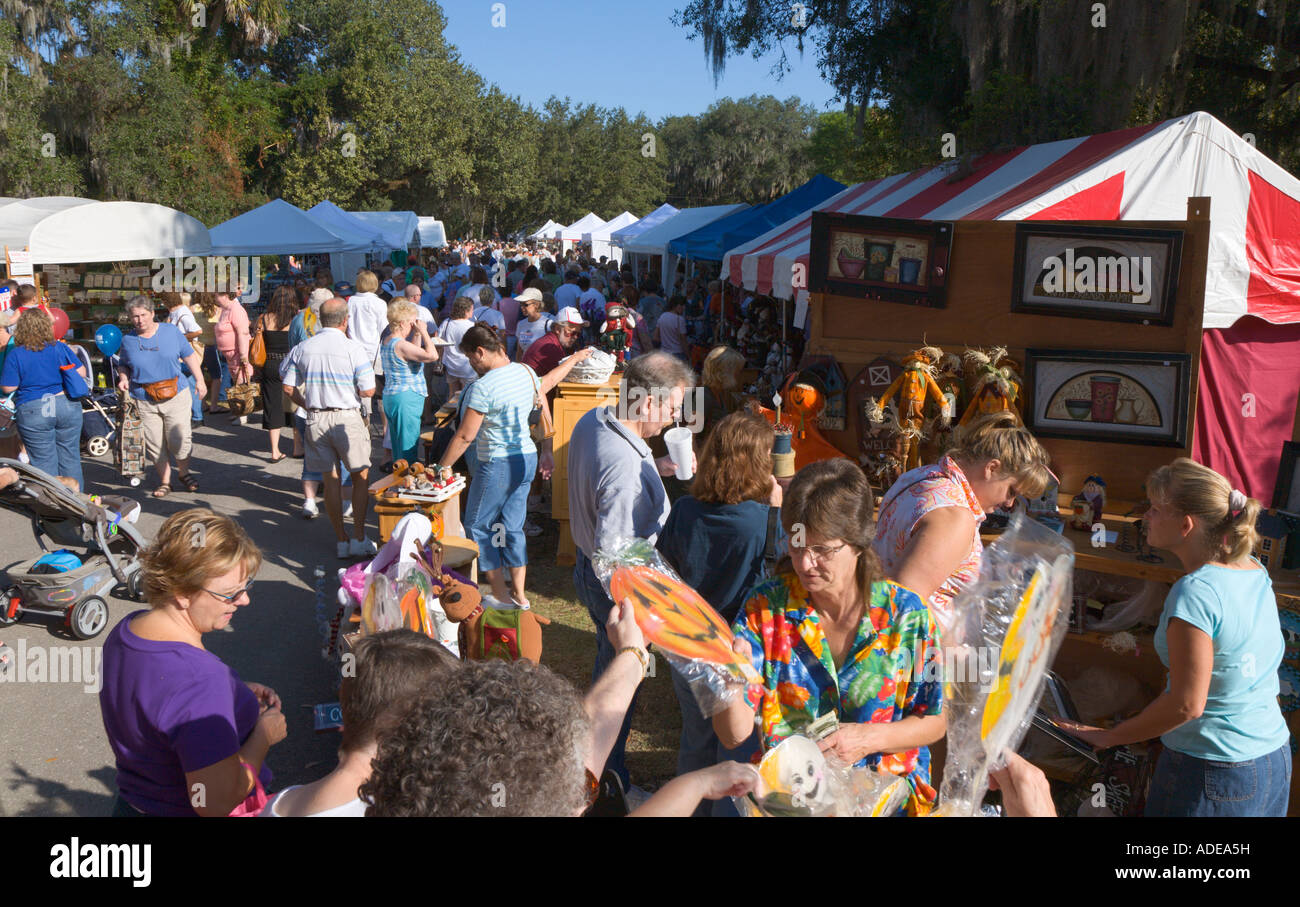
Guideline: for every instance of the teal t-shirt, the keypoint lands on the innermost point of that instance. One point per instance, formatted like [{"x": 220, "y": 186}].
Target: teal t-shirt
[
  {"x": 505, "y": 398},
  {"x": 1237, "y": 610}
]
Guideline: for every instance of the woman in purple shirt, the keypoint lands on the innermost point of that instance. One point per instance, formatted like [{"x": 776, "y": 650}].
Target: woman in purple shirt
[{"x": 188, "y": 735}]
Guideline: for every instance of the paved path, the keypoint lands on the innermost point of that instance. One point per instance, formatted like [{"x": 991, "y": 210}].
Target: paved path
[{"x": 56, "y": 759}]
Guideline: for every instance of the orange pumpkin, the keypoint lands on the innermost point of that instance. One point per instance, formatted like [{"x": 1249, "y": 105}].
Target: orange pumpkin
[
  {"x": 673, "y": 616},
  {"x": 805, "y": 398}
]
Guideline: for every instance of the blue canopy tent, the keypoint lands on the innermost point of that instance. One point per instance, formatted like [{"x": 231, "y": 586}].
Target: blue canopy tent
[{"x": 712, "y": 241}]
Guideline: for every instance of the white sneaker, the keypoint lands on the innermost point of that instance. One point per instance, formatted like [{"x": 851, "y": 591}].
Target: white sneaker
[
  {"x": 345, "y": 550},
  {"x": 363, "y": 548},
  {"x": 347, "y": 509},
  {"x": 309, "y": 510}
]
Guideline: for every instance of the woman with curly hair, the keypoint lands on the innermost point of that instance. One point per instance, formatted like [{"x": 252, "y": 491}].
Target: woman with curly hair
[
  {"x": 515, "y": 739},
  {"x": 189, "y": 737},
  {"x": 48, "y": 422}
]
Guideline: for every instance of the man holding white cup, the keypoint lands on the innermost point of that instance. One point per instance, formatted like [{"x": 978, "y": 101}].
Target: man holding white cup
[{"x": 616, "y": 488}]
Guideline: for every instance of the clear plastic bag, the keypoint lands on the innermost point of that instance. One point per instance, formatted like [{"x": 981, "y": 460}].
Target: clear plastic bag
[
  {"x": 797, "y": 779},
  {"x": 682, "y": 625},
  {"x": 1130, "y": 602},
  {"x": 1007, "y": 628},
  {"x": 379, "y": 608}
]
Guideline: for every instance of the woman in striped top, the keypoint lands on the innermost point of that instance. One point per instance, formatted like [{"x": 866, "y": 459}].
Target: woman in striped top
[{"x": 405, "y": 351}]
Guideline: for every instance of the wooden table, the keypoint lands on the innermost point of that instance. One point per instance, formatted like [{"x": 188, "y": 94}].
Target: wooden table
[
  {"x": 390, "y": 510},
  {"x": 572, "y": 402}
]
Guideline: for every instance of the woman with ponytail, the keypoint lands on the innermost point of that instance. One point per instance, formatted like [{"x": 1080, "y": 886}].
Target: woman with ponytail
[{"x": 1226, "y": 745}]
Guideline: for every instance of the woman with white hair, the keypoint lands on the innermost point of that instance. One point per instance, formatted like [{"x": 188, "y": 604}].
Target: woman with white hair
[{"x": 405, "y": 351}]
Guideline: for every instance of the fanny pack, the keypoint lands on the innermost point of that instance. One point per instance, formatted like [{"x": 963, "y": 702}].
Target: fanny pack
[{"x": 160, "y": 391}]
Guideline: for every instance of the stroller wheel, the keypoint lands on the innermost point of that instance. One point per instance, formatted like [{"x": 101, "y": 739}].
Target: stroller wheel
[
  {"x": 88, "y": 617},
  {"x": 97, "y": 446},
  {"x": 8, "y": 605},
  {"x": 135, "y": 585}
]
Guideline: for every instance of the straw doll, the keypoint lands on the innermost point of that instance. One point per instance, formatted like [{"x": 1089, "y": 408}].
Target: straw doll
[
  {"x": 914, "y": 386},
  {"x": 993, "y": 388}
]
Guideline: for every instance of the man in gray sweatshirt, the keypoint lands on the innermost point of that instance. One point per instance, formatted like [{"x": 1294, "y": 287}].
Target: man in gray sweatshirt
[{"x": 616, "y": 490}]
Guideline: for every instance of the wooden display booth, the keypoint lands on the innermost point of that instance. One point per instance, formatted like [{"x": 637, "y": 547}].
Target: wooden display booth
[{"x": 977, "y": 312}]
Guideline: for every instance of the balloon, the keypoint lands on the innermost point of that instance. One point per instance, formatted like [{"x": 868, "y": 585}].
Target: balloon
[
  {"x": 108, "y": 338},
  {"x": 61, "y": 322}
]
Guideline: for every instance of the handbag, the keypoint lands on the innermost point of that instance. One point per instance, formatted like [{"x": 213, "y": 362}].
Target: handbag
[
  {"x": 160, "y": 391},
  {"x": 252, "y": 805},
  {"x": 242, "y": 398},
  {"x": 257, "y": 349},
  {"x": 74, "y": 386},
  {"x": 540, "y": 424}
]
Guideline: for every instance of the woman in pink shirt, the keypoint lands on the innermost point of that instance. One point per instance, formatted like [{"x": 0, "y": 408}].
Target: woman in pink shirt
[
  {"x": 927, "y": 532},
  {"x": 232, "y": 337}
]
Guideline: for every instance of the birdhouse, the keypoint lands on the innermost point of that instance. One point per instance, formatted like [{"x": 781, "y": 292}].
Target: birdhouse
[{"x": 1273, "y": 529}]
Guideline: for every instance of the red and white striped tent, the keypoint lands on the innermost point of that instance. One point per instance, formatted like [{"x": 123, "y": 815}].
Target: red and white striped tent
[{"x": 1251, "y": 344}]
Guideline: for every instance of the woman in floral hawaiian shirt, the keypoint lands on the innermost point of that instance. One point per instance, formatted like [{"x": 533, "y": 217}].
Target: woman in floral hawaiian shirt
[{"x": 838, "y": 644}]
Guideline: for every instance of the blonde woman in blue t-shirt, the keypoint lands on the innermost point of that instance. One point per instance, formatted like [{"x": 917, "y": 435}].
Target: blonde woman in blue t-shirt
[{"x": 1226, "y": 745}]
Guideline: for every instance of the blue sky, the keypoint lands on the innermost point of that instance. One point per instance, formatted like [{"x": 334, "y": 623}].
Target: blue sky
[{"x": 613, "y": 53}]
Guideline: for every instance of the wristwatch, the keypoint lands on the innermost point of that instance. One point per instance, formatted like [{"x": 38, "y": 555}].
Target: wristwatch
[{"x": 641, "y": 655}]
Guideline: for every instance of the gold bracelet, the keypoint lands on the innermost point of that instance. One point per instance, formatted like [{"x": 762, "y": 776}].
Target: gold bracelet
[{"x": 641, "y": 656}]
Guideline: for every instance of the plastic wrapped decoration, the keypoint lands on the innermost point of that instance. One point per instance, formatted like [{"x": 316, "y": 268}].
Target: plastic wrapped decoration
[
  {"x": 380, "y": 610},
  {"x": 1005, "y": 632},
  {"x": 682, "y": 625},
  {"x": 797, "y": 779}
]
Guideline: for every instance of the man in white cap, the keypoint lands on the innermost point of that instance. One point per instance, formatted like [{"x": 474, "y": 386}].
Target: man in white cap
[{"x": 533, "y": 321}]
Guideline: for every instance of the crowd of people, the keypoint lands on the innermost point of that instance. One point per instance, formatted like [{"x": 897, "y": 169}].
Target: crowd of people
[{"x": 825, "y": 594}]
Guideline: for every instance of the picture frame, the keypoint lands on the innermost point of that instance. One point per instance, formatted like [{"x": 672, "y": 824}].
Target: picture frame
[
  {"x": 1117, "y": 273},
  {"x": 885, "y": 258},
  {"x": 1099, "y": 395},
  {"x": 1286, "y": 492}
]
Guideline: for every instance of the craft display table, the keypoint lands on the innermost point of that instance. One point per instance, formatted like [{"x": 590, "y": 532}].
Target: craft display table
[
  {"x": 572, "y": 402},
  {"x": 459, "y": 552}
]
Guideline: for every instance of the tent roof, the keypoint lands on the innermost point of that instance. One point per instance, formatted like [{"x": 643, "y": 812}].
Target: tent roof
[
  {"x": 116, "y": 231},
  {"x": 432, "y": 233},
  {"x": 602, "y": 233},
  {"x": 357, "y": 233},
  {"x": 545, "y": 230},
  {"x": 1143, "y": 173},
  {"x": 711, "y": 242},
  {"x": 654, "y": 218},
  {"x": 399, "y": 228},
  {"x": 585, "y": 224},
  {"x": 19, "y": 215},
  {"x": 276, "y": 228},
  {"x": 655, "y": 240}
]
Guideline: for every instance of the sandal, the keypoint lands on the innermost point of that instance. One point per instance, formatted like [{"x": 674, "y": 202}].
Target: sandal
[
  {"x": 279, "y": 458},
  {"x": 162, "y": 491},
  {"x": 191, "y": 484}
]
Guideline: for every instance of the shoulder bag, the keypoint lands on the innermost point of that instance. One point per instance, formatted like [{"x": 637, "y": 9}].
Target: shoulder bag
[
  {"x": 540, "y": 423},
  {"x": 257, "y": 349}
]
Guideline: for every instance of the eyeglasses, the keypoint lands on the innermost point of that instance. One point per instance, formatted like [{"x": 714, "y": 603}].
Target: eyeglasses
[
  {"x": 231, "y": 599},
  {"x": 819, "y": 553}
]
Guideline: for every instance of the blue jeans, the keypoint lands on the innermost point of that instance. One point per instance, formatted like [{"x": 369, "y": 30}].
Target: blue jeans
[
  {"x": 51, "y": 430},
  {"x": 701, "y": 748},
  {"x": 592, "y": 594},
  {"x": 215, "y": 365},
  {"x": 497, "y": 506},
  {"x": 1184, "y": 786},
  {"x": 196, "y": 405}
]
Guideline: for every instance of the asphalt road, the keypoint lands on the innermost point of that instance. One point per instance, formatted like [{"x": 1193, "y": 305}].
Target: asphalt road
[{"x": 55, "y": 757}]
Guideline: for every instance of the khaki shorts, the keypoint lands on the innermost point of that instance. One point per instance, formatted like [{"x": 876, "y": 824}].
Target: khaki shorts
[
  {"x": 334, "y": 435},
  {"x": 167, "y": 427}
]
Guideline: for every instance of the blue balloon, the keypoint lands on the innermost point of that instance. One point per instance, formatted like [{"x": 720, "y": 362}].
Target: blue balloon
[{"x": 108, "y": 338}]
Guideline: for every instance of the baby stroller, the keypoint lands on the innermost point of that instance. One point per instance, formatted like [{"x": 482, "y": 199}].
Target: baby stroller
[
  {"x": 98, "y": 425},
  {"x": 112, "y": 547}
]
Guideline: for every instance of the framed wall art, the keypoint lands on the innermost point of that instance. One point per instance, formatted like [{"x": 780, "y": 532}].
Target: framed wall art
[
  {"x": 1105, "y": 273},
  {"x": 1286, "y": 493},
  {"x": 884, "y": 258},
  {"x": 1092, "y": 395}
]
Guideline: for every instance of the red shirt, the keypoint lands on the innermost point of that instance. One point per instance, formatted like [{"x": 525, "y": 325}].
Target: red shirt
[{"x": 545, "y": 354}]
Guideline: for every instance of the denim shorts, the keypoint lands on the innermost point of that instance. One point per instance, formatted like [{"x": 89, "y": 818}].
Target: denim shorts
[{"x": 1185, "y": 786}]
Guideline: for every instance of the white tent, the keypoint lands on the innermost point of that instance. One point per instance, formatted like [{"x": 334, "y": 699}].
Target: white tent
[
  {"x": 585, "y": 224},
  {"x": 599, "y": 236},
  {"x": 432, "y": 233},
  {"x": 357, "y": 233},
  {"x": 400, "y": 229},
  {"x": 276, "y": 228},
  {"x": 116, "y": 231},
  {"x": 654, "y": 241},
  {"x": 547, "y": 230},
  {"x": 19, "y": 215},
  {"x": 653, "y": 219}
]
